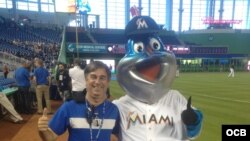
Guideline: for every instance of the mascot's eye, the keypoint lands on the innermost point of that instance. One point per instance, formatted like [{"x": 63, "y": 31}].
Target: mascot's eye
[
  {"x": 155, "y": 44},
  {"x": 138, "y": 47}
]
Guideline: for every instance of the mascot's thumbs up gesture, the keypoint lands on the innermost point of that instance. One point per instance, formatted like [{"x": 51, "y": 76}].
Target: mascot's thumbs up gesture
[{"x": 150, "y": 110}]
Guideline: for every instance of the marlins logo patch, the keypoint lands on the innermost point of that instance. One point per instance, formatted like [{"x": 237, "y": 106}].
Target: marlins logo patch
[{"x": 141, "y": 23}]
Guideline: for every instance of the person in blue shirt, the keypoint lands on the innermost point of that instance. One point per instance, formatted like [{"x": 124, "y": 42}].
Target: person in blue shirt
[
  {"x": 23, "y": 101},
  {"x": 93, "y": 119},
  {"x": 42, "y": 80}
]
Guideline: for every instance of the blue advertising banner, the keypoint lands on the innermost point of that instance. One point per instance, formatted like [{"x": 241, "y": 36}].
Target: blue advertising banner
[
  {"x": 86, "y": 48},
  {"x": 95, "y": 48}
]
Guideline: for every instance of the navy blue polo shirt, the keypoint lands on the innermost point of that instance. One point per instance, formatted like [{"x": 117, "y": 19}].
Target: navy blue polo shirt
[{"x": 41, "y": 75}]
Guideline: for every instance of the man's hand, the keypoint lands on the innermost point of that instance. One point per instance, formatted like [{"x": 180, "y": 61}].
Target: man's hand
[
  {"x": 189, "y": 116},
  {"x": 43, "y": 121},
  {"x": 44, "y": 131}
]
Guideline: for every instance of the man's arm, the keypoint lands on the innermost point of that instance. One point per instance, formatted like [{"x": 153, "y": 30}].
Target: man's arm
[
  {"x": 47, "y": 135},
  {"x": 44, "y": 131}
]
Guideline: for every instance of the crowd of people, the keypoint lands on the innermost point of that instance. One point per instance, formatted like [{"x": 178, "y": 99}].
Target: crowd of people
[
  {"x": 87, "y": 113},
  {"x": 29, "y": 42},
  {"x": 84, "y": 92},
  {"x": 33, "y": 81},
  {"x": 26, "y": 43}
]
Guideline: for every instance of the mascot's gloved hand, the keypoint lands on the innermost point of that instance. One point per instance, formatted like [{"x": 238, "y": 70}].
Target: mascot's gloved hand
[{"x": 188, "y": 116}]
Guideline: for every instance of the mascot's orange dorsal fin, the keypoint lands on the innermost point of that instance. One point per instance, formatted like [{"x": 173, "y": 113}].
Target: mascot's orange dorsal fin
[{"x": 150, "y": 73}]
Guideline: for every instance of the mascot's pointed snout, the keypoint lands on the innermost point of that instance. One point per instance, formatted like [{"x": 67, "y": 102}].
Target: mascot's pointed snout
[{"x": 149, "y": 68}]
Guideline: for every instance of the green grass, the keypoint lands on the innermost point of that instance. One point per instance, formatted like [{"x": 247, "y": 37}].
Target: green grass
[{"x": 222, "y": 100}]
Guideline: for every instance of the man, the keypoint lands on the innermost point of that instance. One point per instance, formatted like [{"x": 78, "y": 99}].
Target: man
[
  {"x": 63, "y": 82},
  {"x": 5, "y": 70},
  {"x": 23, "y": 100},
  {"x": 92, "y": 119},
  {"x": 231, "y": 74},
  {"x": 42, "y": 80},
  {"x": 78, "y": 83}
]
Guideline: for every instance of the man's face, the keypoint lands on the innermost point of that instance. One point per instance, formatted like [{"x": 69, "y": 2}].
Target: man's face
[
  {"x": 27, "y": 65},
  {"x": 97, "y": 83},
  {"x": 36, "y": 63},
  {"x": 61, "y": 67}
]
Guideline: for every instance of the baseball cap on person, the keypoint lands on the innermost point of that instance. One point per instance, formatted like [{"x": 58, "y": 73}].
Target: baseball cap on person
[{"x": 141, "y": 25}]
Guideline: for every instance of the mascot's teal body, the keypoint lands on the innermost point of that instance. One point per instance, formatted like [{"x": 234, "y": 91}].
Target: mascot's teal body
[{"x": 150, "y": 110}]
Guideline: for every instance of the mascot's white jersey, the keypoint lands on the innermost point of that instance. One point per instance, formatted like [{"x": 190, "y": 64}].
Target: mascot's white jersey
[{"x": 157, "y": 122}]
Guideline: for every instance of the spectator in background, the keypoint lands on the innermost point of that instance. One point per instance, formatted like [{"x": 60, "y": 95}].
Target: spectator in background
[
  {"x": 5, "y": 70},
  {"x": 221, "y": 68},
  {"x": 42, "y": 80},
  {"x": 78, "y": 83},
  {"x": 231, "y": 74},
  {"x": 63, "y": 81},
  {"x": 177, "y": 71},
  {"x": 23, "y": 101},
  {"x": 110, "y": 67}
]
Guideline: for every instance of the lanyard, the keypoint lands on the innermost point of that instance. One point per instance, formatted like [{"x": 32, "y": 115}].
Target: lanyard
[{"x": 91, "y": 116}]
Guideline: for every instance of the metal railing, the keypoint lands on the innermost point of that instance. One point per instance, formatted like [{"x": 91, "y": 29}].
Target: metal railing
[{"x": 11, "y": 60}]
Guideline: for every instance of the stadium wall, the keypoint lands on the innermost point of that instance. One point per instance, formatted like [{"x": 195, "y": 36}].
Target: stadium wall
[{"x": 237, "y": 41}]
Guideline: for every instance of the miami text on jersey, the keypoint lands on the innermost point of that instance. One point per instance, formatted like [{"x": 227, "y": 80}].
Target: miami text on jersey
[{"x": 135, "y": 118}]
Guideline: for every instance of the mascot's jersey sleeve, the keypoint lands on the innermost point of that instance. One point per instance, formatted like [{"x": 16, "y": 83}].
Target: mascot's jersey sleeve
[{"x": 157, "y": 122}]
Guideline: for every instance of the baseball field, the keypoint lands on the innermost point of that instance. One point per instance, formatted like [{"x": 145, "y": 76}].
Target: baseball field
[{"x": 222, "y": 99}]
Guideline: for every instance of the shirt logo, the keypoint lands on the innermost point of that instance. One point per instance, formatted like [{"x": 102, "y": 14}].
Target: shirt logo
[
  {"x": 135, "y": 118},
  {"x": 141, "y": 23}
]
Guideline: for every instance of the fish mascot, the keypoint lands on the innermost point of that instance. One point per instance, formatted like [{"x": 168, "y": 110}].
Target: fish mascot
[{"x": 151, "y": 110}]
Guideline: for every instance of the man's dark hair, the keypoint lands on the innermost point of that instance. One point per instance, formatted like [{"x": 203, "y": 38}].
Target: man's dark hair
[
  {"x": 63, "y": 64},
  {"x": 77, "y": 61},
  {"x": 92, "y": 66}
]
